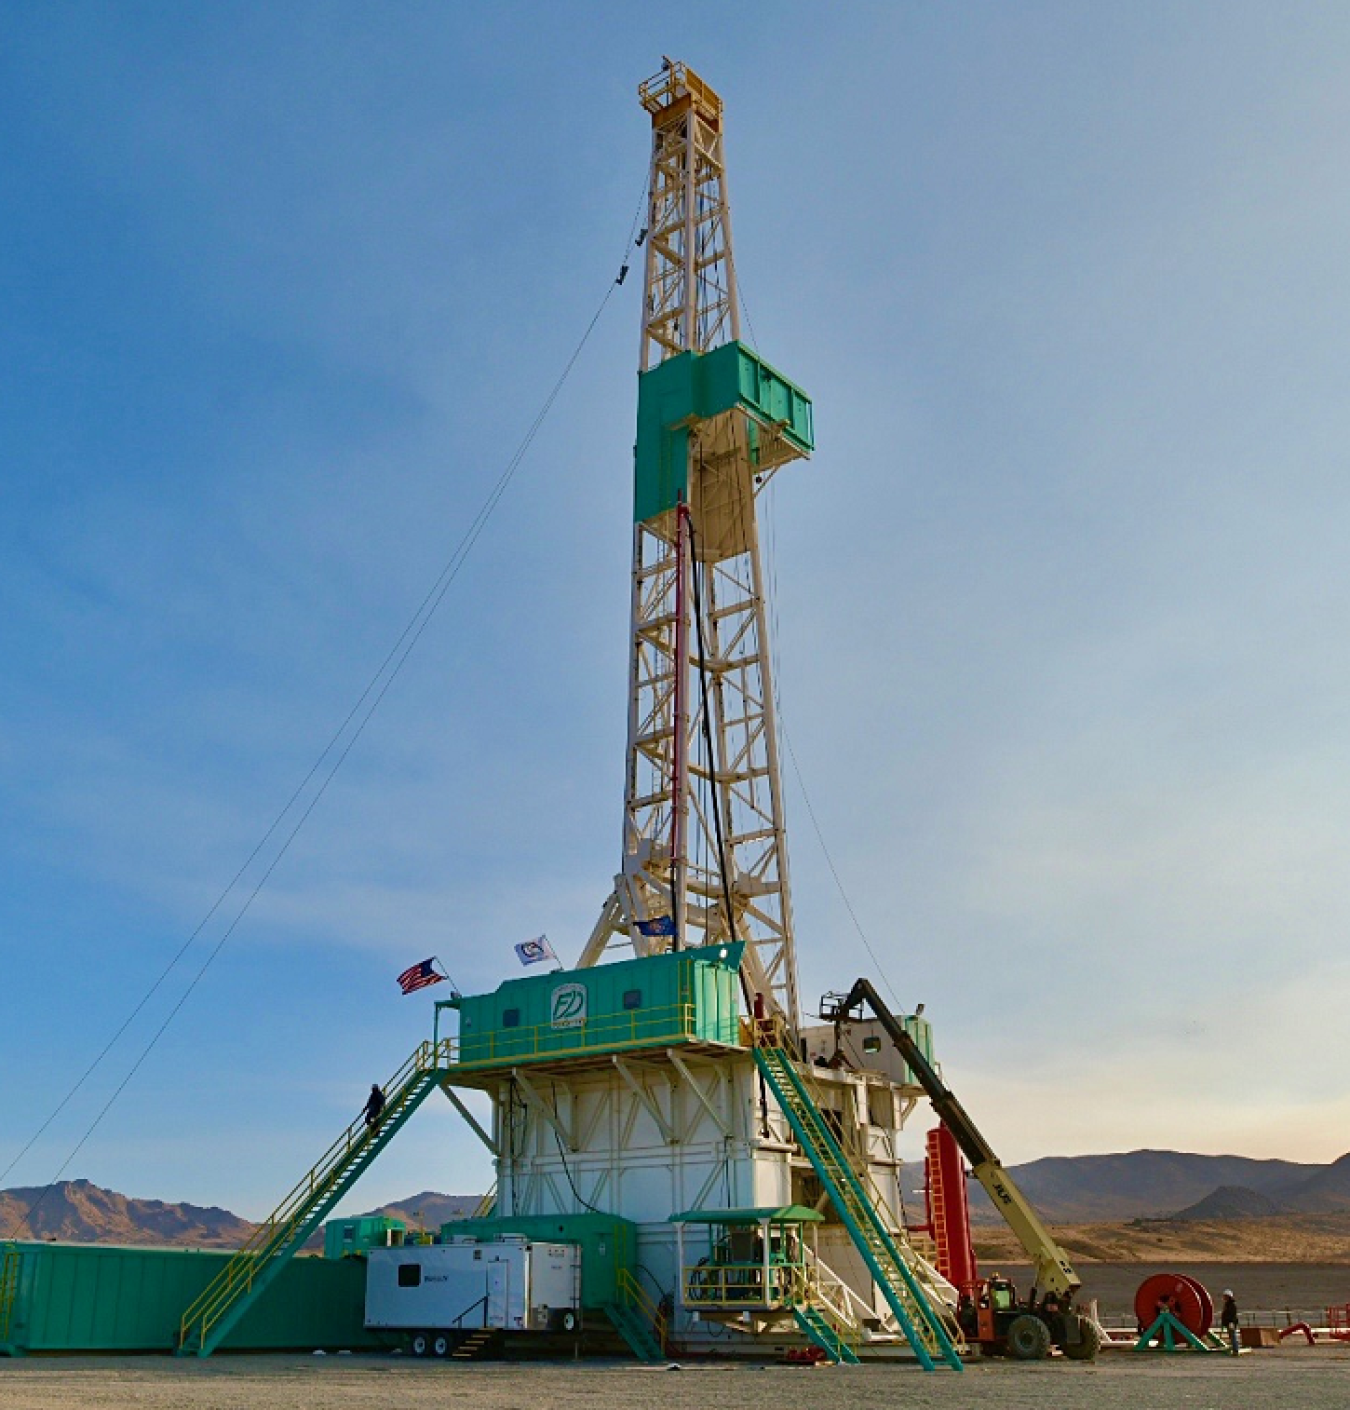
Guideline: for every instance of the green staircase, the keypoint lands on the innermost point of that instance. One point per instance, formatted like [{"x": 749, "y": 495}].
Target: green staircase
[
  {"x": 823, "y": 1334},
  {"x": 245, "y": 1277},
  {"x": 637, "y": 1319},
  {"x": 633, "y": 1328},
  {"x": 922, "y": 1325}
]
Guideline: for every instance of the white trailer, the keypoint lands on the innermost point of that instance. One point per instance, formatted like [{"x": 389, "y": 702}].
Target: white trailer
[{"x": 435, "y": 1291}]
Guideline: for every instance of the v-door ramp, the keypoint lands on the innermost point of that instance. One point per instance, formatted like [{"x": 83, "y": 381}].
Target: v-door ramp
[
  {"x": 243, "y": 1279},
  {"x": 921, "y": 1324}
]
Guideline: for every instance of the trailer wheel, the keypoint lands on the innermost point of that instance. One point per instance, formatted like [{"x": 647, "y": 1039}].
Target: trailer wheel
[
  {"x": 420, "y": 1343},
  {"x": 570, "y": 1321},
  {"x": 440, "y": 1345},
  {"x": 1028, "y": 1338},
  {"x": 1087, "y": 1346}
]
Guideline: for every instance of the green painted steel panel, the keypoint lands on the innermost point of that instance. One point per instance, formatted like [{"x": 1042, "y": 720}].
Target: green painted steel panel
[
  {"x": 95, "y": 1297},
  {"x": 608, "y": 1245},
  {"x": 682, "y": 996},
  {"x": 666, "y": 398},
  {"x": 695, "y": 387},
  {"x": 922, "y": 1032},
  {"x": 350, "y": 1238}
]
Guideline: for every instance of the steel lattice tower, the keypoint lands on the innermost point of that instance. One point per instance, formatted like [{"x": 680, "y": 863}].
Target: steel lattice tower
[{"x": 704, "y": 849}]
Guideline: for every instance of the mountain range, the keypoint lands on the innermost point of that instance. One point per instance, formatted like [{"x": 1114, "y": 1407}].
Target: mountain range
[
  {"x": 1090, "y": 1189},
  {"x": 1166, "y": 1184}
]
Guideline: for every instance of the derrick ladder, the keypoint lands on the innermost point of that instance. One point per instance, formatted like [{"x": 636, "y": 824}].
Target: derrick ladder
[
  {"x": 922, "y": 1325},
  {"x": 233, "y": 1291}
]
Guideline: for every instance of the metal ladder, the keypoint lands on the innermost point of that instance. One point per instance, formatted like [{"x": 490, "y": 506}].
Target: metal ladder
[
  {"x": 243, "y": 1279},
  {"x": 922, "y": 1325},
  {"x": 937, "y": 1207}
]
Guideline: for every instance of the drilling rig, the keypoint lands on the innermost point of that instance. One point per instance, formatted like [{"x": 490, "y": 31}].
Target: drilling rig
[{"x": 664, "y": 1122}]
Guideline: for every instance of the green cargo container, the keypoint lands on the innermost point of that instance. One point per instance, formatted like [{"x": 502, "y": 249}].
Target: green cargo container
[
  {"x": 687, "y": 996},
  {"x": 608, "y": 1245},
  {"x": 350, "y": 1238},
  {"x": 696, "y": 387},
  {"x": 94, "y": 1297}
]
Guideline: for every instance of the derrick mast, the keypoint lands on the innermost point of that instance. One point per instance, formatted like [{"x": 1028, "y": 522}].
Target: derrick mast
[{"x": 704, "y": 854}]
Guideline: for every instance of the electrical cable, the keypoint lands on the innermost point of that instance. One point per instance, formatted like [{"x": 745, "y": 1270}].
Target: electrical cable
[
  {"x": 707, "y": 729},
  {"x": 557, "y": 1140},
  {"x": 385, "y": 673}
]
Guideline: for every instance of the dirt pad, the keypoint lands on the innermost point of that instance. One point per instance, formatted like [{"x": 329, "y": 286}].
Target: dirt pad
[{"x": 1314, "y": 1378}]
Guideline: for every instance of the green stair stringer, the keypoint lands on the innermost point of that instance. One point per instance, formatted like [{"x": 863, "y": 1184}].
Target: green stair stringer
[
  {"x": 922, "y": 1326},
  {"x": 9, "y": 1296},
  {"x": 818, "y": 1330},
  {"x": 248, "y": 1274},
  {"x": 634, "y": 1330}
]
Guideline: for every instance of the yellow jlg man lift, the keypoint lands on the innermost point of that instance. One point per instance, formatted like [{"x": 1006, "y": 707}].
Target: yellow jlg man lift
[{"x": 991, "y": 1311}]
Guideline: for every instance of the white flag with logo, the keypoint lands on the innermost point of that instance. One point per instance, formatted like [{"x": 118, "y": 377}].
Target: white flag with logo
[{"x": 535, "y": 951}]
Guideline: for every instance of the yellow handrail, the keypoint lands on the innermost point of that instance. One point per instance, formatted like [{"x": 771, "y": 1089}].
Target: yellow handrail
[
  {"x": 599, "y": 1032},
  {"x": 741, "y": 1284},
  {"x": 238, "y": 1274},
  {"x": 638, "y": 1297}
]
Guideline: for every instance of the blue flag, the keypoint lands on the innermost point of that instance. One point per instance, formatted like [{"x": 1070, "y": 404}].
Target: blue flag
[{"x": 657, "y": 925}]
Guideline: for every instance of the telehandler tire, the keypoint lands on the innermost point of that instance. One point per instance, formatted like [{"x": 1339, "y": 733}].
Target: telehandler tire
[{"x": 1028, "y": 1338}]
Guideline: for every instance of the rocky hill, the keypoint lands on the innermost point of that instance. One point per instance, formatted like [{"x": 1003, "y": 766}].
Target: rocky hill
[
  {"x": 80, "y": 1212},
  {"x": 1232, "y": 1202},
  {"x": 1149, "y": 1184},
  {"x": 77, "y": 1211},
  {"x": 429, "y": 1210}
]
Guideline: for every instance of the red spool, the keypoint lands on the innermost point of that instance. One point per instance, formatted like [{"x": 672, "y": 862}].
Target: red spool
[{"x": 1188, "y": 1298}]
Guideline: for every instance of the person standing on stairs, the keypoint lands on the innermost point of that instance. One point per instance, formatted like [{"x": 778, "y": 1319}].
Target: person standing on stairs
[{"x": 374, "y": 1105}]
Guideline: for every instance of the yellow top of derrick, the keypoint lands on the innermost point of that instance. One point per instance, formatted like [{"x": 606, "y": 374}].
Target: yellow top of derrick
[{"x": 672, "y": 87}]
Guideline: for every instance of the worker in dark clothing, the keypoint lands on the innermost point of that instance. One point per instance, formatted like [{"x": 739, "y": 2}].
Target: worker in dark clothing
[
  {"x": 1052, "y": 1313},
  {"x": 374, "y": 1105},
  {"x": 1228, "y": 1319}
]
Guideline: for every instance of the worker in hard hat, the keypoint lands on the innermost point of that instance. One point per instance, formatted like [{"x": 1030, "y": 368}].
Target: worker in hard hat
[{"x": 1228, "y": 1320}]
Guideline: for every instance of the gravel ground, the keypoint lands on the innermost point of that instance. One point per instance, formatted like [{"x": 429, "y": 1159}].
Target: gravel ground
[{"x": 1313, "y": 1378}]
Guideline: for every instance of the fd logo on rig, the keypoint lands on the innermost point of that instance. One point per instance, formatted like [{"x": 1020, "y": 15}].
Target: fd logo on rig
[{"x": 568, "y": 1006}]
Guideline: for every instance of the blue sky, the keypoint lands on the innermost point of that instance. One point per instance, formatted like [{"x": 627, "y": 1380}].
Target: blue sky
[{"x": 1061, "y": 600}]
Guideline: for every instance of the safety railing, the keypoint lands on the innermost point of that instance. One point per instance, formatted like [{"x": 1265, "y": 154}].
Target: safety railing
[
  {"x": 743, "y": 1285},
  {"x": 248, "y": 1263},
  {"x": 773, "y": 1032},
  {"x": 9, "y": 1288},
  {"x": 673, "y": 82},
  {"x": 640, "y": 1300},
  {"x": 671, "y": 1023},
  {"x": 844, "y": 1308}
]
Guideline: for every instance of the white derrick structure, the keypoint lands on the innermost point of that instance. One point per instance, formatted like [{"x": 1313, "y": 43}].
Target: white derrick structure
[
  {"x": 663, "y": 1128},
  {"x": 703, "y": 828}
]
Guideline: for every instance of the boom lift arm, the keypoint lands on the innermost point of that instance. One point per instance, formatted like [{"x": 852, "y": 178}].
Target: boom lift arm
[{"x": 1054, "y": 1272}]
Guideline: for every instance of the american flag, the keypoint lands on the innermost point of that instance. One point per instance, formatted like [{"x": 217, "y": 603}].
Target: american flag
[{"x": 418, "y": 976}]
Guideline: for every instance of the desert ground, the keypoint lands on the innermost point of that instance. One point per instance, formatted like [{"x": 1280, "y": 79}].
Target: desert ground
[{"x": 1315, "y": 1378}]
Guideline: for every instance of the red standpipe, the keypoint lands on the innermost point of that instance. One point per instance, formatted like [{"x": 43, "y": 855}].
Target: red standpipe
[{"x": 949, "y": 1209}]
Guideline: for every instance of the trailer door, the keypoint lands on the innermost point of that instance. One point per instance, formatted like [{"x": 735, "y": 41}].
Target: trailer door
[{"x": 499, "y": 1294}]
